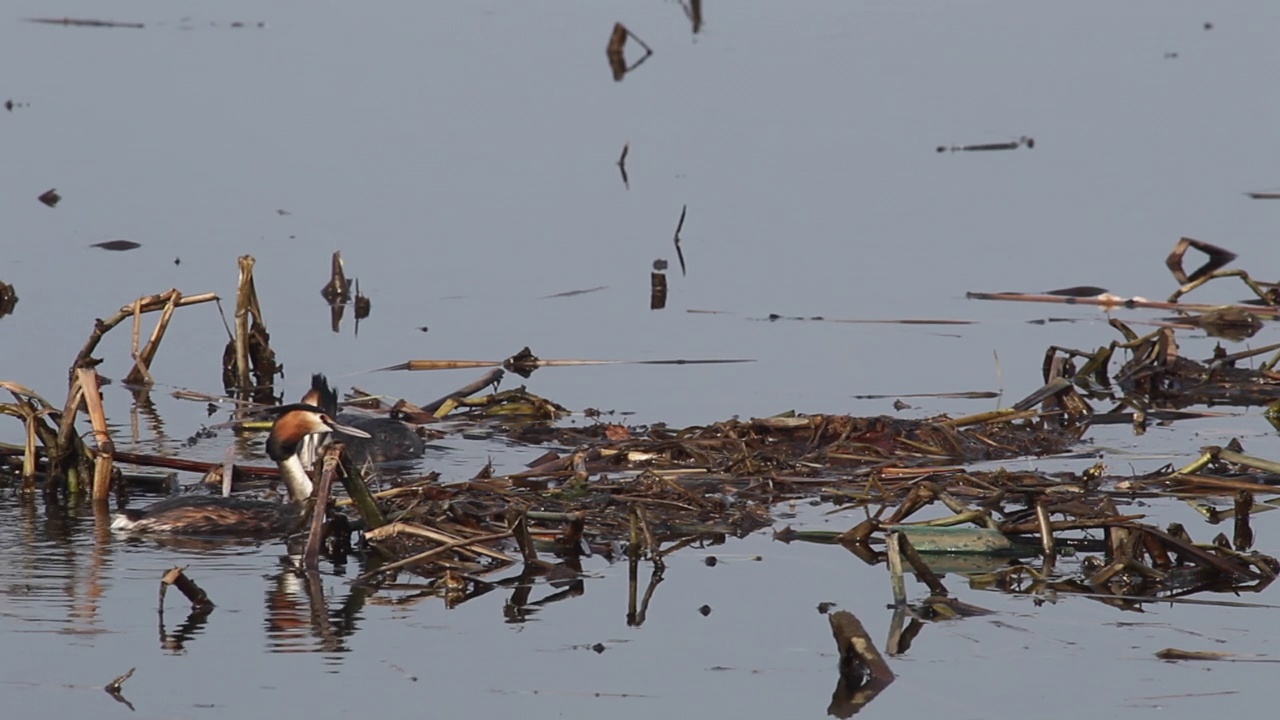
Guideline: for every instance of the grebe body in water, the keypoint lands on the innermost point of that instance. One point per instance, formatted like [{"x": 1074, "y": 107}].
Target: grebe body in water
[
  {"x": 210, "y": 515},
  {"x": 388, "y": 439}
]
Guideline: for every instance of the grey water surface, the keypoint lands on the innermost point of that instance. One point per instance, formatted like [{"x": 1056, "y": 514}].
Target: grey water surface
[{"x": 462, "y": 157}]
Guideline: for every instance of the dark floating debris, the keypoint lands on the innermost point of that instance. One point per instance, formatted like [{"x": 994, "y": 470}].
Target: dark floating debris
[
  {"x": 338, "y": 289},
  {"x": 615, "y": 51},
  {"x": 1024, "y": 141},
  {"x": 676, "y": 238},
  {"x": 525, "y": 362},
  {"x": 8, "y": 299},
  {"x": 622, "y": 165},
  {"x": 658, "y": 287},
  {"x": 10, "y": 105},
  {"x": 117, "y": 245},
  {"x": 704, "y": 611},
  {"x": 114, "y": 689},
  {"x": 574, "y": 293},
  {"x": 1268, "y": 195},
  {"x": 1078, "y": 291},
  {"x": 50, "y": 197},
  {"x": 1218, "y": 259},
  {"x": 693, "y": 11},
  {"x": 1171, "y": 56},
  {"x": 969, "y": 395},
  {"x": 82, "y": 22},
  {"x": 1208, "y": 26}
]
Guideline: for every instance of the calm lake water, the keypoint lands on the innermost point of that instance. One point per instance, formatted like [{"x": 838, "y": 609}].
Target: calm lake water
[{"x": 462, "y": 157}]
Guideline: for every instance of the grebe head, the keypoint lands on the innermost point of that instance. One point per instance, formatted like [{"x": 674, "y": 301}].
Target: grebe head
[{"x": 298, "y": 421}]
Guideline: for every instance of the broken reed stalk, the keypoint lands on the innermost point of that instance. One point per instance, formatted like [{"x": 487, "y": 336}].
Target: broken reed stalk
[
  {"x": 853, "y": 643},
  {"x": 332, "y": 460},
  {"x": 68, "y": 457},
  {"x": 150, "y": 303},
  {"x": 1046, "y": 536},
  {"x": 360, "y": 496},
  {"x": 177, "y": 577},
  {"x": 921, "y": 568},
  {"x": 493, "y": 377},
  {"x": 104, "y": 456},
  {"x": 429, "y": 554},
  {"x": 246, "y": 303},
  {"x": 141, "y": 372},
  {"x": 893, "y": 550}
]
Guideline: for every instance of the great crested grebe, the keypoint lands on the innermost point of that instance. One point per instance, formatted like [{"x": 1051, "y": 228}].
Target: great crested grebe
[
  {"x": 388, "y": 439},
  {"x": 211, "y": 515}
]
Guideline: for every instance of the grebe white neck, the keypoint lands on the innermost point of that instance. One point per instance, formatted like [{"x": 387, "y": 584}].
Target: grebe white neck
[{"x": 295, "y": 478}]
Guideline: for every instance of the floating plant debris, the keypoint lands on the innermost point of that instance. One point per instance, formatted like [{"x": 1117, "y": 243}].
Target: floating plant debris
[
  {"x": 574, "y": 293},
  {"x": 1024, "y": 141},
  {"x": 615, "y": 51},
  {"x": 84, "y": 22},
  {"x": 117, "y": 245},
  {"x": 50, "y": 197},
  {"x": 622, "y": 165}
]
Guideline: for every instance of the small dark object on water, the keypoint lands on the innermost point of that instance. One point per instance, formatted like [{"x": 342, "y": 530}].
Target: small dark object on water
[
  {"x": 113, "y": 688},
  {"x": 423, "y": 328},
  {"x": 117, "y": 245},
  {"x": 280, "y": 211},
  {"x": 1078, "y": 291},
  {"x": 363, "y": 304},
  {"x": 8, "y": 299},
  {"x": 1170, "y": 55},
  {"x": 680, "y": 226},
  {"x": 657, "y": 290},
  {"x": 705, "y": 610},
  {"x": 1024, "y": 141},
  {"x": 8, "y": 105},
  {"x": 1208, "y": 26},
  {"x": 825, "y": 607},
  {"x": 622, "y": 165},
  {"x": 900, "y": 406},
  {"x": 598, "y": 648},
  {"x": 177, "y": 261},
  {"x": 711, "y": 561},
  {"x": 660, "y": 264},
  {"x": 50, "y": 197},
  {"x": 81, "y": 22}
]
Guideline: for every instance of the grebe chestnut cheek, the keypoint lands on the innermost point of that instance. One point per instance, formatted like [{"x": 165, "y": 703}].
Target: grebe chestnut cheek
[{"x": 211, "y": 515}]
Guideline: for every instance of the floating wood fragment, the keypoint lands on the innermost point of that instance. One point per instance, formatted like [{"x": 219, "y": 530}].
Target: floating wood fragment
[
  {"x": 657, "y": 290},
  {"x": 178, "y": 578},
  {"x": 864, "y": 673}
]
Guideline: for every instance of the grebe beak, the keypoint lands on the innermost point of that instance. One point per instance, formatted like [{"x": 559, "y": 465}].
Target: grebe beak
[{"x": 346, "y": 429}]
